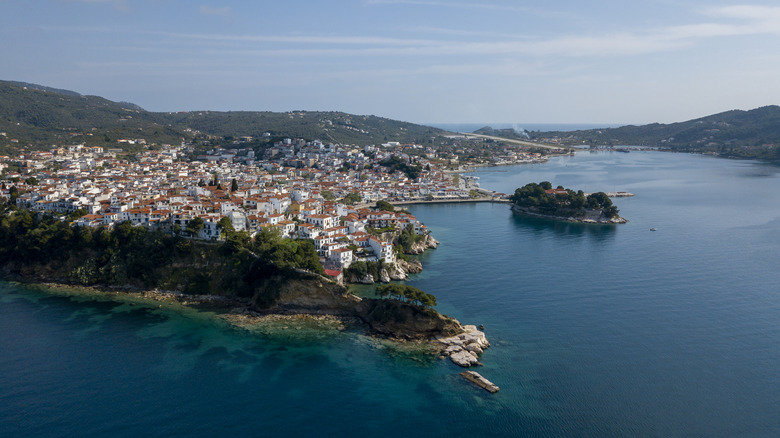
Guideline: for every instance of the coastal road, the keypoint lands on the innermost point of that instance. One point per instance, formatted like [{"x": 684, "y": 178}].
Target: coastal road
[{"x": 510, "y": 140}]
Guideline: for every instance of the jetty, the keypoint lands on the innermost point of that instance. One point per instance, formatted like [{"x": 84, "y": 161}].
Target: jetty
[
  {"x": 477, "y": 379},
  {"x": 615, "y": 194}
]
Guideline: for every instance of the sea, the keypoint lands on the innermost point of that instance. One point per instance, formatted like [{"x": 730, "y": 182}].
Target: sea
[{"x": 596, "y": 330}]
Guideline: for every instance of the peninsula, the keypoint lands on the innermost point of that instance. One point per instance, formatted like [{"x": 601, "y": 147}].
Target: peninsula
[{"x": 564, "y": 204}]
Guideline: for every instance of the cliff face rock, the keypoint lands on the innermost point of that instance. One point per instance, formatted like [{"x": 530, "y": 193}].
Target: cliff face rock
[
  {"x": 397, "y": 271},
  {"x": 405, "y": 321},
  {"x": 413, "y": 266},
  {"x": 384, "y": 277},
  {"x": 427, "y": 241},
  {"x": 313, "y": 294},
  {"x": 304, "y": 294}
]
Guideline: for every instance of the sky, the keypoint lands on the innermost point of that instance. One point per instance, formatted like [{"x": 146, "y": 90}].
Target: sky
[{"x": 422, "y": 61}]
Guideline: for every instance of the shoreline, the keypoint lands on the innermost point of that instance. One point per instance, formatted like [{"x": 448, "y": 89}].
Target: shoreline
[
  {"x": 593, "y": 221},
  {"x": 237, "y": 313},
  {"x": 452, "y": 201}
]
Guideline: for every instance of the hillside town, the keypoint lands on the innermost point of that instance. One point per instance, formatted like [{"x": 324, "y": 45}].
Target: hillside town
[{"x": 305, "y": 190}]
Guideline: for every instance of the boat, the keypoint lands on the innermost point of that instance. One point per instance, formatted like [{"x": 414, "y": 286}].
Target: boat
[{"x": 652, "y": 229}]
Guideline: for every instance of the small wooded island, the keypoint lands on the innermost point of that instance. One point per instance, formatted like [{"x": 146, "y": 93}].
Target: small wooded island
[{"x": 564, "y": 204}]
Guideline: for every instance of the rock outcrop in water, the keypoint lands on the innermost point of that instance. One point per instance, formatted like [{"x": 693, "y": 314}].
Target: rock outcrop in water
[
  {"x": 464, "y": 348},
  {"x": 477, "y": 379}
]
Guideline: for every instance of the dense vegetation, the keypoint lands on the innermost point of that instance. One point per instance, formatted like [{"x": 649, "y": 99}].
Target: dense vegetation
[
  {"x": 398, "y": 164},
  {"x": 47, "y": 248},
  {"x": 360, "y": 269},
  {"x": 41, "y": 117},
  {"x": 406, "y": 238},
  {"x": 569, "y": 203},
  {"x": 406, "y": 293},
  {"x": 44, "y": 118},
  {"x": 738, "y": 134}
]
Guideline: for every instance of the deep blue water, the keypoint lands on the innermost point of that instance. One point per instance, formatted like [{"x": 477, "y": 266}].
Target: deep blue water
[{"x": 596, "y": 330}]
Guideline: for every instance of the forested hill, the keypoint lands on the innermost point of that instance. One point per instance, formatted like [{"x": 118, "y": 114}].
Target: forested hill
[
  {"x": 40, "y": 117},
  {"x": 736, "y": 133}
]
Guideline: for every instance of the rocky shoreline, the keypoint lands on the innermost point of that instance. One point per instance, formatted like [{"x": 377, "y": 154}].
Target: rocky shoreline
[
  {"x": 241, "y": 313},
  {"x": 400, "y": 269},
  {"x": 590, "y": 217},
  {"x": 464, "y": 349}
]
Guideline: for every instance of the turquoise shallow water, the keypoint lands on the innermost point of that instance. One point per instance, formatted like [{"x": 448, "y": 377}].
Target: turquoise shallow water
[{"x": 596, "y": 330}]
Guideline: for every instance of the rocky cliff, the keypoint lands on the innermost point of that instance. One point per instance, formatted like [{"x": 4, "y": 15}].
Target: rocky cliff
[
  {"x": 405, "y": 321},
  {"x": 427, "y": 241},
  {"x": 313, "y": 294},
  {"x": 399, "y": 270}
]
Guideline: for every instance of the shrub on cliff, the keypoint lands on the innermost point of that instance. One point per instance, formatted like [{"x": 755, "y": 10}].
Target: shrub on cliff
[{"x": 406, "y": 293}]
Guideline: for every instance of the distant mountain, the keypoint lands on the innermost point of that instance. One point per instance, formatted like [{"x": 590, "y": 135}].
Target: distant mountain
[
  {"x": 39, "y": 117},
  {"x": 736, "y": 133}
]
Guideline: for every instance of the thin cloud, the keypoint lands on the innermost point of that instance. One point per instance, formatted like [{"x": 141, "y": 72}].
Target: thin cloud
[
  {"x": 120, "y": 5},
  {"x": 746, "y": 12},
  {"x": 226, "y": 12},
  {"x": 459, "y": 5},
  {"x": 726, "y": 22},
  {"x": 307, "y": 39}
]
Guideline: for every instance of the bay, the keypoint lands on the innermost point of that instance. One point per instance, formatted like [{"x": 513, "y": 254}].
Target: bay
[{"x": 596, "y": 330}]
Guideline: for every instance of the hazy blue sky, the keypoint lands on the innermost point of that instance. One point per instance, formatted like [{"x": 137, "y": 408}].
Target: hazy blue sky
[{"x": 530, "y": 61}]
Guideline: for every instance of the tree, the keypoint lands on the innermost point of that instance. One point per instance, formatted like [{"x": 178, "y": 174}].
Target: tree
[
  {"x": 383, "y": 205},
  {"x": 406, "y": 293},
  {"x": 352, "y": 198},
  {"x": 13, "y": 195},
  {"x": 195, "y": 225},
  {"x": 31, "y": 181},
  {"x": 327, "y": 195},
  {"x": 233, "y": 185},
  {"x": 77, "y": 214},
  {"x": 225, "y": 225}
]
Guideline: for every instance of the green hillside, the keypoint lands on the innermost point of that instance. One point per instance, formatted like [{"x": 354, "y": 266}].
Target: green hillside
[
  {"x": 738, "y": 134},
  {"x": 39, "y": 117}
]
